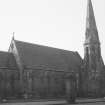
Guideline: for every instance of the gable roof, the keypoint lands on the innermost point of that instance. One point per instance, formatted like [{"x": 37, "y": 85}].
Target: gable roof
[
  {"x": 33, "y": 55},
  {"x": 7, "y": 60}
]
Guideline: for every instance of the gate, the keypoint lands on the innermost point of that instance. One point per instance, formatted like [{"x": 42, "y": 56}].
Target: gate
[{"x": 70, "y": 82}]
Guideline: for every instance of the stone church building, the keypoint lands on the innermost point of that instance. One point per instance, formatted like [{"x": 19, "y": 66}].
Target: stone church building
[{"x": 44, "y": 72}]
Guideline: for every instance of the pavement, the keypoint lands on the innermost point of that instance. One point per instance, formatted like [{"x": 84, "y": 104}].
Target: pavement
[{"x": 85, "y": 100}]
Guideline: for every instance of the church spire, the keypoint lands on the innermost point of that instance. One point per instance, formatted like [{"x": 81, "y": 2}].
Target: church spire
[
  {"x": 91, "y": 28},
  {"x": 93, "y": 62},
  {"x": 90, "y": 16}
]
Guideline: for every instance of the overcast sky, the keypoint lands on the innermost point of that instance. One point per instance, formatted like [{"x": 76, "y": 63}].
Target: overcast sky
[{"x": 55, "y": 23}]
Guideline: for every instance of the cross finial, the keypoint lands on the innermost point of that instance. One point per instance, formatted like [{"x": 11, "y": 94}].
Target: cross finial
[{"x": 13, "y": 35}]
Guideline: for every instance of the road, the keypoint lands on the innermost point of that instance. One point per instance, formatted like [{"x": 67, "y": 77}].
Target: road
[
  {"x": 61, "y": 102},
  {"x": 97, "y": 103},
  {"x": 35, "y": 103}
]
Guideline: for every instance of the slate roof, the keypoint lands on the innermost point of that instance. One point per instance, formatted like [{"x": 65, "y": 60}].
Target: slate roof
[
  {"x": 33, "y": 55},
  {"x": 7, "y": 60}
]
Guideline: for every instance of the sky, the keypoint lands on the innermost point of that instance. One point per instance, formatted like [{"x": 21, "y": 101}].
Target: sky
[{"x": 55, "y": 23}]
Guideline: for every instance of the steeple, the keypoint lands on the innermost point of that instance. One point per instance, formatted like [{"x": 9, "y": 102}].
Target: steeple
[
  {"x": 91, "y": 28},
  {"x": 93, "y": 62}
]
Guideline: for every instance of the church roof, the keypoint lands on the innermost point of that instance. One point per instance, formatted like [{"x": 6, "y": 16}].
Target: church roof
[
  {"x": 7, "y": 60},
  {"x": 33, "y": 56}
]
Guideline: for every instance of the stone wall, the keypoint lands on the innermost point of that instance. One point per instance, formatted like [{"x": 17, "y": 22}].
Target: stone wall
[
  {"x": 36, "y": 83},
  {"x": 43, "y": 84},
  {"x": 9, "y": 83}
]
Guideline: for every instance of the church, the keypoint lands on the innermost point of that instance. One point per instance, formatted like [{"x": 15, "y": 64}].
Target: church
[{"x": 38, "y": 71}]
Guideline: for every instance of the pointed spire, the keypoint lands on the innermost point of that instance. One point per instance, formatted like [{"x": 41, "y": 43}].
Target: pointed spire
[
  {"x": 91, "y": 28},
  {"x": 90, "y": 16}
]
